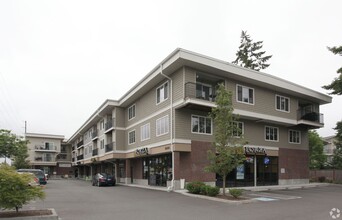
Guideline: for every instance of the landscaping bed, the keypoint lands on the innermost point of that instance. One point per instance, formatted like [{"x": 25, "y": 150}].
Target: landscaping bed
[{"x": 24, "y": 213}]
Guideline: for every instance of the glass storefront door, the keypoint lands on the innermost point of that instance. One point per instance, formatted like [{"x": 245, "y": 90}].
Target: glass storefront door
[{"x": 157, "y": 170}]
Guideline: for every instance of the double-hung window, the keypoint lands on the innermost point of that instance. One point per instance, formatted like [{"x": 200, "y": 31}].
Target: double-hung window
[
  {"x": 162, "y": 125},
  {"x": 238, "y": 129},
  {"x": 145, "y": 132},
  {"x": 282, "y": 103},
  {"x": 245, "y": 94},
  {"x": 131, "y": 112},
  {"x": 271, "y": 133},
  {"x": 162, "y": 92},
  {"x": 101, "y": 144},
  {"x": 294, "y": 137},
  {"x": 200, "y": 124},
  {"x": 131, "y": 137}
]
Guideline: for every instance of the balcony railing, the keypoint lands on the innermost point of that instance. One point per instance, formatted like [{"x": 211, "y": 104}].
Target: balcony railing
[
  {"x": 309, "y": 115},
  {"x": 109, "y": 147},
  {"x": 73, "y": 159},
  {"x": 45, "y": 148},
  {"x": 79, "y": 144},
  {"x": 95, "y": 152},
  {"x": 94, "y": 134},
  {"x": 80, "y": 157},
  {"x": 200, "y": 91},
  {"x": 45, "y": 159},
  {"x": 110, "y": 124}
]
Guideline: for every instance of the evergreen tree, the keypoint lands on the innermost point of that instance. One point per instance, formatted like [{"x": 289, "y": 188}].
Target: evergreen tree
[
  {"x": 249, "y": 54},
  {"x": 227, "y": 151},
  {"x": 337, "y": 159},
  {"x": 316, "y": 156},
  {"x": 336, "y": 84}
]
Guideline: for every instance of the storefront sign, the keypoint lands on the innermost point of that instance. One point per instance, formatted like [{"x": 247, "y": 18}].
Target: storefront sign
[
  {"x": 64, "y": 165},
  {"x": 255, "y": 150},
  {"x": 240, "y": 172},
  {"x": 141, "y": 151}
]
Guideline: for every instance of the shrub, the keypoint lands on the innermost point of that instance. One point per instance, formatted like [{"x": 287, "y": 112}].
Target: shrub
[
  {"x": 204, "y": 189},
  {"x": 321, "y": 179},
  {"x": 195, "y": 187},
  {"x": 236, "y": 193},
  {"x": 213, "y": 191},
  {"x": 15, "y": 190}
]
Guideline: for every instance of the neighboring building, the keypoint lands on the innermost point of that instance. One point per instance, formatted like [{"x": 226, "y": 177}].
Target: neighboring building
[
  {"x": 159, "y": 132},
  {"x": 49, "y": 153},
  {"x": 329, "y": 147}
]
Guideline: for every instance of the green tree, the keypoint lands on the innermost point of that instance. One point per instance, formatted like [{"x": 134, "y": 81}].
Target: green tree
[
  {"x": 227, "y": 151},
  {"x": 14, "y": 189},
  {"x": 336, "y": 84},
  {"x": 316, "y": 157},
  {"x": 249, "y": 54},
  {"x": 337, "y": 159},
  {"x": 13, "y": 147}
]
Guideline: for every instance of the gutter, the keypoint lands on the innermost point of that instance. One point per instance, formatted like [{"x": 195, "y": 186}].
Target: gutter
[{"x": 171, "y": 133}]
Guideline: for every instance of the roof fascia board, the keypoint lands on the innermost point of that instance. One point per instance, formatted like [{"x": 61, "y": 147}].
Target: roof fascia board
[{"x": 52, "y": 136}]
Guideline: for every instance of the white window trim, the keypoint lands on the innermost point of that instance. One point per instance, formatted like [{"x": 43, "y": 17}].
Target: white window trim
[
  {"x": 277, "y": 134},
  {"x": 168, "y": 129},
  {"x": 237, "y": 95},
  {"x": 149, "y": 131},
  {"x": 300, "y": 136},
  {"x": 167, "y": 82},
  {"x": 135, "y": 136},
  {"x": 211, "y": 126},
  {"x": 242, "y": 130},
  {"x": 135, "y": 111},
  {"x": 281, "y": 96}
]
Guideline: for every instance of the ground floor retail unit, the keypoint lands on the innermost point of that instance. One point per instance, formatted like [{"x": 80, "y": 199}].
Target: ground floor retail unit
[{"x": 263, "y": 166}]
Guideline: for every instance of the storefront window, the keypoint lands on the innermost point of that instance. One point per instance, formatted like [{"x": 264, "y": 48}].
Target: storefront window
[{"x": 158, "y": 169}]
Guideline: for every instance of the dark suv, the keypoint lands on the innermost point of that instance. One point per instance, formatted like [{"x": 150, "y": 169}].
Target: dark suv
[{"x": 39, "y": 174}]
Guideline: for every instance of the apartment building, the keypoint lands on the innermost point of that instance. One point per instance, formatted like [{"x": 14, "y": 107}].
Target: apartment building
[
  {"x": 329, "y": 147},
  {"x": 49, "y": 153},
  {"x": 159, "y": 132}
]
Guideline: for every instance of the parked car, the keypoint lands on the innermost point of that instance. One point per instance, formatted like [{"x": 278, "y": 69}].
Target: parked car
[
  {"x": 34, "y": 181},
  {"x": 39, "y": 174},
  {"x": 103, "y": 179}
]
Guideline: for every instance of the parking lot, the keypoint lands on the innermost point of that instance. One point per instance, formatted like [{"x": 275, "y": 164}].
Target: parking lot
[{"x": 75, "y": 199}]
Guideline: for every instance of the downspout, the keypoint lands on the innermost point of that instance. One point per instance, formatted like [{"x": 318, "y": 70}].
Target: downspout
[{"x": 171, "y": 135}]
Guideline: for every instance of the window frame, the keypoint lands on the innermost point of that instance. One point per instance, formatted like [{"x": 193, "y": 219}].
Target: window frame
[
  {"x": 128, "y": 112},
  {"x": 299, "y": 136},
  {"x": 204, "y": 126},
  {"x": 142, "y": 136},
  {"x": 168, "y": 126},
  {"x": 167, "y": 93},
  {"x": 129, "y": 143},
  {"x": 237, "y": 94},
  {"x": 265, "y": 133},
  {"x": 282, "y": 97},
  {"x": 242, "y": 130}
]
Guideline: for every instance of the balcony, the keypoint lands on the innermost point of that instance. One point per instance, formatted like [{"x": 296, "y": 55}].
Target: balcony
[
  {"x": 109, "y": 147},
  {"x": 109, "y": 125},
  {"x": 73, "y": 159},
  {"x": 44, "y": 159},
  {"x": 80, "y": 144},
  {"x": 80, "y": 157},
  {"x": 95, "y": 152},
  {"x": 45, "y": 148},
  {"x": 309, "y": 117},
  {"x": 94, "y": 134}
]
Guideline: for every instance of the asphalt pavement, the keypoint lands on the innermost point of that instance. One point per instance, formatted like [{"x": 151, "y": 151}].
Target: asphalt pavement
[{"x": 76, "y": 199}]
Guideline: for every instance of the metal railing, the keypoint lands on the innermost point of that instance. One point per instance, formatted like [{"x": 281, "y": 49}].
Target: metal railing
[
  {"x": 45, "y": 159},
  {"x": 110, "y": 124},
  {"x": 43, "y": 148},
  {"x": 192, "y": 90},
  {"x": 308, "y": 115},
  {"x": 94, "y": 134},
  {"x": 79, "y": 144},
  {"x": 95, "y": 152},
  {"x": 109, "y": 147},
  {"x": 80, "y": 157}
]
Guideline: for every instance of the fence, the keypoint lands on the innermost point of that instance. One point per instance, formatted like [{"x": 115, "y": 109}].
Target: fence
[{"x": 333, "y": 175}]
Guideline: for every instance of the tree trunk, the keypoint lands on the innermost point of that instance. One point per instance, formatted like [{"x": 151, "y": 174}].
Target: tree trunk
[
  {"x": 224, "y": 185},
  {"x": 17, "y": 209}
]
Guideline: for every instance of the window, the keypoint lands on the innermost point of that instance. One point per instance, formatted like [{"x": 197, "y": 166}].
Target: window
[
  {"x": 238, "y": 129},
  {"x": 162, "y": 125},
  {"x": 271, "y": 133},
  {"x": 102, "y": 144},
  {"x": 245, "y": 94},
  {"x": 145, "y": 132},
  {"x": 131, "y": 137},
  {"x": 282, "y": 103},
  {"x": 162, "y": 92},
  {"x": 204, "y": 91},
  {"x": 131, "y": 112},
  {"x": 294, "y": 137},
  {"x": 200, "y": 124},
  {"x": 102, "y": 124}
]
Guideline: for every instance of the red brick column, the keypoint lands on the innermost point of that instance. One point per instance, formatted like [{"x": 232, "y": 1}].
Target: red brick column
[
  {"x": 177, "y": 165},
  {"x": 128, "y": 168}
]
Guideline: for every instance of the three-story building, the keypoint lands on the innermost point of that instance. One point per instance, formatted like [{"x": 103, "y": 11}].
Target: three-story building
[{"x": 159, "y": 132}]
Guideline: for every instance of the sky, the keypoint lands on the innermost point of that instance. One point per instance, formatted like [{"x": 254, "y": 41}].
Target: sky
[{"x": 60, "y": 60}]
